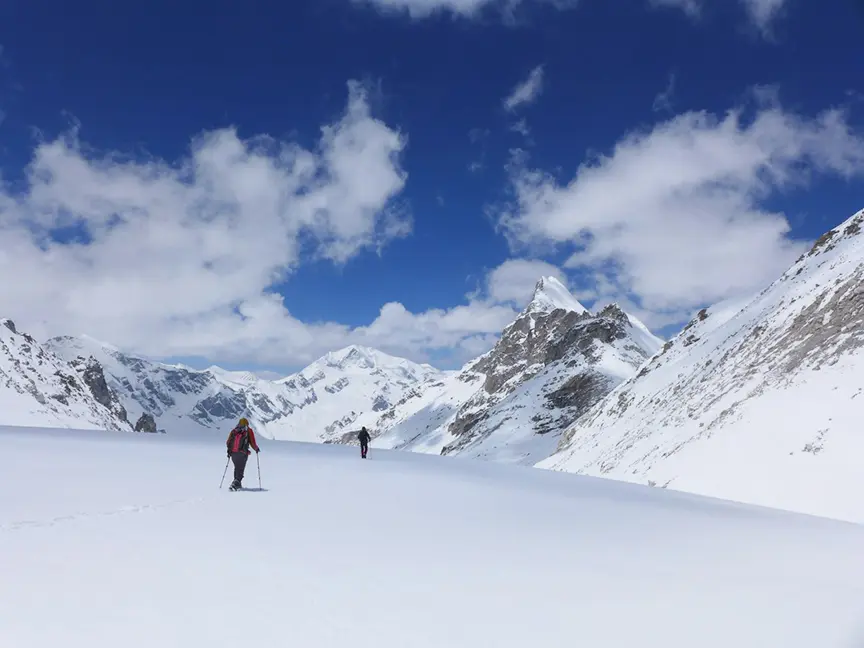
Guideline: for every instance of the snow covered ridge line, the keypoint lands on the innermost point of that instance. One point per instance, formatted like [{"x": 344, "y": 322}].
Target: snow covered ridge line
[
  {"x": 343, "y": 390},
  {"x": 756, "y": 401},
  {"x": 39, "y": 388},
  {"x": 81, "y": 382}
]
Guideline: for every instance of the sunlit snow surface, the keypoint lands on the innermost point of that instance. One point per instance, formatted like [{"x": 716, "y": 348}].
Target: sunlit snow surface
[
  {"x": 758, "y": 400},
  {"x": 116, "y": 539}
]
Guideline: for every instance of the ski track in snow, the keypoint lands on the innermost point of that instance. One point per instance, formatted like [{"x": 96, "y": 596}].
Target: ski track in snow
[{"x": 86, "y": 516}]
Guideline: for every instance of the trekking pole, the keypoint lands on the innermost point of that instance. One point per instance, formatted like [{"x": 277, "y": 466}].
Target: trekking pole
[
  {"x": 224, "y": 472},
  {"x": 258, "y": 459}
]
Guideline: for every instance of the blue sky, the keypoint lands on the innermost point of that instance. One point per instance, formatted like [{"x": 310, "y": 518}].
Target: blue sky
[{"x": 440, "y": 199}]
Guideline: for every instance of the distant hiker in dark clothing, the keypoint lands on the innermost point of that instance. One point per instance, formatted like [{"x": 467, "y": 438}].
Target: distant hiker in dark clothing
[
  {"x": 239, "y": 440},
  {"x": 364, "y": 442}
]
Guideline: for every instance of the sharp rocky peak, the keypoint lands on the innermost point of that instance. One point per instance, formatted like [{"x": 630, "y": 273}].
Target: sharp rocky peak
[{"x": 551, "y": 295}]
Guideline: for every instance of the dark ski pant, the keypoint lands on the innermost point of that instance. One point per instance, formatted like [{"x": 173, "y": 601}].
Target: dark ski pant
[
  {"x": 239, "y": 459},
  {"x": 364, "y": 448}
]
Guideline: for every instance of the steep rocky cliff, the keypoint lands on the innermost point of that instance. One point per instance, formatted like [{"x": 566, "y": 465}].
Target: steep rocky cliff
[{"x": 550, "y": 365}]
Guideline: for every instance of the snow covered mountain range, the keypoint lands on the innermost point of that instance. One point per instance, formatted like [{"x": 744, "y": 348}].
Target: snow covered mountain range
[
  {"x": 760, "y": 401},
  {"x": 550, "y": 365},
  {"x": 342, "y": 390}
]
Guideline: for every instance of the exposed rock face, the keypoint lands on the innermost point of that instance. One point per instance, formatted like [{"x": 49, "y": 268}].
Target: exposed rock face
[
  {"x": 550, "y": 365},
  {"x": 536, "y": 341},
  {"x": 146, "y": 423},
  {"x": 756, "y": 401},
  {"x": 42, "y": 389},
  {"x": 92, "y": 374}
]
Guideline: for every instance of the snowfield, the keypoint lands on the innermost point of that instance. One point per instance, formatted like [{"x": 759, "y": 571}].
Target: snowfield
[{"x": 117, "y": 539}]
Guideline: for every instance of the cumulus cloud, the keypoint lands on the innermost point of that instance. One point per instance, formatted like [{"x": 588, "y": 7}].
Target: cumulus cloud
[
  {"x": 675, "y": 217},
  {"x": 527, "y": 91},
  {"x": 181, "y": 258}
]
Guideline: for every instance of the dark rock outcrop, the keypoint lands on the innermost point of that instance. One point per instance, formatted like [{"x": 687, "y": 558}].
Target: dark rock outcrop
[
  {"x": 93, "y": 375},
  {"x": 146, "y": 423}
]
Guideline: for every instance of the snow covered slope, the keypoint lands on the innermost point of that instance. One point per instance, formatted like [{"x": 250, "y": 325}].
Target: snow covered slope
[
  {"x": 39, "y": 388},
  {"x": 759, "y": 402},
  {"x": 550, "y": 365},
  {"x": 342, "y": 390},
  {"x": 125, "y": 540},
  {"x": 352, "y": 387}
]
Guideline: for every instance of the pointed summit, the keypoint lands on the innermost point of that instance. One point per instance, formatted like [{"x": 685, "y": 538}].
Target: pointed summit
[{"x": 550, "y": 294}]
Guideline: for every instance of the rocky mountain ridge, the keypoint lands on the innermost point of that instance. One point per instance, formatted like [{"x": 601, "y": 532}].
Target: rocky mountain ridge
[
  {"x": 549, "y": 366},
  {"x": 757, "y": 401}
]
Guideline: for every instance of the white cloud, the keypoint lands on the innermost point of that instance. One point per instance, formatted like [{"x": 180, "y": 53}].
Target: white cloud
[
  {"x": 675, "y": 217},
  {"x": 180, "y": 259},
  {"x": 763, "y": 12},
  {"x": 514, "y": 280},
  {"x": 397, "y": 328},
  {"x": 527, "y": 91}
]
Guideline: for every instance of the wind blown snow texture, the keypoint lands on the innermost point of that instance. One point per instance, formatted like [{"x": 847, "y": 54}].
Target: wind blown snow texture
[
  {"x": 511, "y": 404},
  {"x": 757, "y": 402},
  {"x": 116, "y": 539}
]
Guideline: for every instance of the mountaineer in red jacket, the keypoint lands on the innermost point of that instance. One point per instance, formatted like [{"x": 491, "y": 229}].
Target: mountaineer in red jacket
[{"x": 239, "y": 440}]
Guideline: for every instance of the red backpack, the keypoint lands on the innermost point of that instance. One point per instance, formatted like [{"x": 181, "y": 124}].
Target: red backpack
[{"x": 239, "y": 441}]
